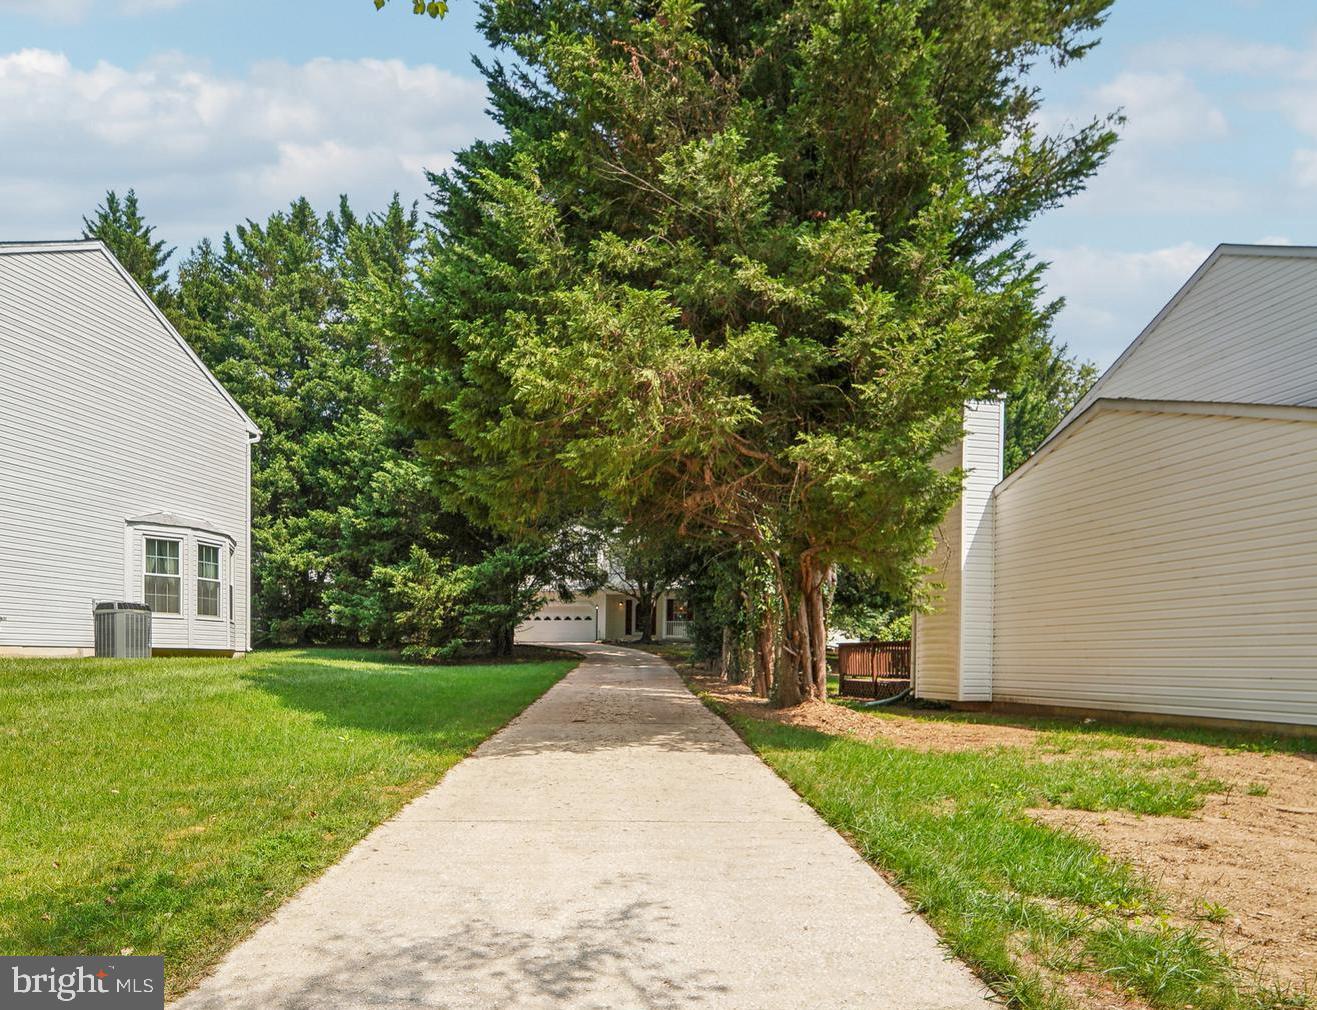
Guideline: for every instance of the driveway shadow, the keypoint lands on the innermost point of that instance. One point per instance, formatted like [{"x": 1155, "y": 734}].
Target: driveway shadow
[{"x": 612, "y": 956}]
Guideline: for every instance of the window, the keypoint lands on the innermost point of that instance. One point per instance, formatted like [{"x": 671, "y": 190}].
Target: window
[
  {"x": 208, "y": 580},
  {"x": 678, "y": 610},
  {"x": 163, "y": 582}
]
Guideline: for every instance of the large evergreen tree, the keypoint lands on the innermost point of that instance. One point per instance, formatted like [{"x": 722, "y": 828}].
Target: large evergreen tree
[
  {"x": 120, "y": 225},
  {"x": 737, "y": 268},
  {"x": 271, "y": 312}
]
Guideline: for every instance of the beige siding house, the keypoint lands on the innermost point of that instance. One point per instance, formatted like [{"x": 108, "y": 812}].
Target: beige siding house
[
  {"x": 124, "y": 464},
  {"x": 609, "y": 614},
  {"x": 1158, "y": 554}
]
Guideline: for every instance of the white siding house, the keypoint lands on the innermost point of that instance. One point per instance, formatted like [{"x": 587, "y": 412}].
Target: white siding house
[
  {"x": 124, "y": 464},
  {"x": 1158, "y": 554},
  {"x": 952, "y": 642}
]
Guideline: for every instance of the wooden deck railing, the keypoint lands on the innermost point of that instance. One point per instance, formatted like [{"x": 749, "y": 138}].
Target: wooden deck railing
[{"x": 873, "y": 669}]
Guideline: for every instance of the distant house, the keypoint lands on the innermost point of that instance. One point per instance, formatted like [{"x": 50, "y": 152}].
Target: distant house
[
  {"x": 1158, "y": 554},
  {"x": 124, "y": 464},
  {"x": 609, "y": 614}
]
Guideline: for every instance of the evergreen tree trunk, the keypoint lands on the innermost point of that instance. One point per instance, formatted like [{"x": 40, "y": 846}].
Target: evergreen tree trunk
[
  {"x": 818, "y": 581},
  {"x": 791, "y": 685},
  {"x": 501, "y": 644},
  {"x": 803, "y": 672}
]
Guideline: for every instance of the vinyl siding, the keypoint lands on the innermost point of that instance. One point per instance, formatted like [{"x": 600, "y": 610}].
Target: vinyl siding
[
  {"x": 953, "y": 640},
  {"x": 1162, "y": 562},
  {"x": 1244, "y": 332},
  {"x": 103, "y": 416},
  {"x": 983, "y": 469},
  {"x": 936, "y": 632}
]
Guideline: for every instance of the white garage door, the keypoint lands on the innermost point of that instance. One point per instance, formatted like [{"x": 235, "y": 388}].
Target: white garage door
[{"x": 560, "y": 622}]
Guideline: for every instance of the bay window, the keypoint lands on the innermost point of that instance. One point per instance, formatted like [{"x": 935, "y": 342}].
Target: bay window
[
  {"x": 208, "y": 580},
  {"x": 163, "y": 579}
]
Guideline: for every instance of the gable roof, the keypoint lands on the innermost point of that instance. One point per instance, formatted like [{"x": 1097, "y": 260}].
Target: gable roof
[
  {"x": 96, "y": 246},
  {"x": 1223, "y": 251},
  {"x": 1201, "y": 408}
]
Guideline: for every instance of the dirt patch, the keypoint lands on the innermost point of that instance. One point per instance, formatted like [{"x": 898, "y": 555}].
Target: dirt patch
[
  {"x": 1244, "y": 867},
  {"x": 1248, "y": 862},
  {"x": 922, "y": 734},
  {"x": 1094, "y": 992}
]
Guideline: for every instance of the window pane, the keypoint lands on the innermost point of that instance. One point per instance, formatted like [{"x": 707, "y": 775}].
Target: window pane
[
  {"x": 208, "y": 562},
  {"x": 208, "y": 599},
  {"x": 163, "y": 594},
  {"x": 161, "y": 557}
]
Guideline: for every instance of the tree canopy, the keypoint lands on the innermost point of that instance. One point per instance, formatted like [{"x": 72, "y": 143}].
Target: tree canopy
[
  {"x": 120, "y": 225},
  {"x": 431, "y": 8},
  {"x": 729, "y": 278},
  {"x": 270, "y": 311},
  {"x": 737, "y": 268}
]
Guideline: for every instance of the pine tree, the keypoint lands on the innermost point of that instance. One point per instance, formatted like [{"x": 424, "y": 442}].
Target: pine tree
[
  {"x": 120, "y": 225},
  {"x": 271, "y": 311},
  {"x": 736, "y": 269}
]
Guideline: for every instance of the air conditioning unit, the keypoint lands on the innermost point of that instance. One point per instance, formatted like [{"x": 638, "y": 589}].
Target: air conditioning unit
[{"x": 123, "y": 630}]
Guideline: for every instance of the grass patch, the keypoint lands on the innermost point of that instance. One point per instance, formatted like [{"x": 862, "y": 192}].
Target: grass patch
[
  {"x": 1026, "y": 904},
  {"x": 166, "y": 806}
]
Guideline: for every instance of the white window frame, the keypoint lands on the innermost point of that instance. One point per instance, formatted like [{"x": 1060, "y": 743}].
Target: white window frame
[
  {"x": 182, "y": 568},
  {"x": 218, "y": 581}
]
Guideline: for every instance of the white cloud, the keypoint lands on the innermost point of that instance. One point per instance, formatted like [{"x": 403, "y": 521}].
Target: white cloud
[
  {"x": 1226, "y": 55},
  {"x": 1298, "y": 106},
  {"x": 1111, "y": 295},
  {"x": 1282, "y": 76},
  {"x": 1162, "y": 108},
  {"x": 72, "y": 11},
  {"x": 1219, "y": 54},
  {"x": 1149, "y": 173},
  {"x": 205, "y": 150},
  {"x": 1303, "y": 164},
  {"x": 1136, "y": 187}
]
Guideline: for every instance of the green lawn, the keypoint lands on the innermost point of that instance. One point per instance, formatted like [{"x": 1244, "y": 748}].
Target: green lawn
[
  {"x": 168, "y": 805},
  {"x": 1032, "y": 908}
]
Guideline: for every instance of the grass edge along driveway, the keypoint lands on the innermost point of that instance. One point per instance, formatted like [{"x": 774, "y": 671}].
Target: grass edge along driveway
[
  {"x": 167, "y": 806},
  {"x": 1040, "y": 913}
]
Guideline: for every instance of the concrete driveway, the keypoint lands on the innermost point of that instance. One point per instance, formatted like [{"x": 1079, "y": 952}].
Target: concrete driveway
[{"x": 617, "y": 846}]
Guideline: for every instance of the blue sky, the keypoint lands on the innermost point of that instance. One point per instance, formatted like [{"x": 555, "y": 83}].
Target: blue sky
[{"x": 216, "y": 110}]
